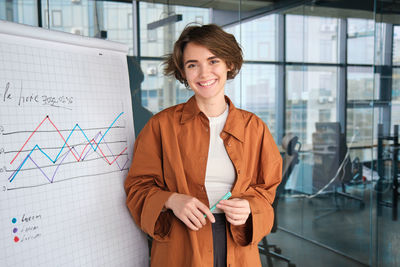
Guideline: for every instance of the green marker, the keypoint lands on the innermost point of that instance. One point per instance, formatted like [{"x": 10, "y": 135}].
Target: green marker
[{"x": 225, "y": 197}]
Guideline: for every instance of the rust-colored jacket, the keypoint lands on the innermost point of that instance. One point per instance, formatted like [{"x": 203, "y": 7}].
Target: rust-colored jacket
[{"x": 170, "y": 155}]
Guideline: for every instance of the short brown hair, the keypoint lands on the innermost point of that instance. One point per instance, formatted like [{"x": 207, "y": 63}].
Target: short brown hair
[{"x": 222, "y": 44}]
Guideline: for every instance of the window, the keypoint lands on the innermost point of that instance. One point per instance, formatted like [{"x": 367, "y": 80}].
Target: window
[
  {"x": 360, "y": 41},
  {"x": 396, "y": 97},
  {"x": 360, "y": 124},
  {"x": 310, "y": 91},
  {"x": 254, "y": 90},
  {"x": 360, "y": 83},
  {"x": 257, "y": 38},
  {"x": 311, "y": 39},
  {"x": 130, "y": 21},
  {"x": 157, "y": 43},
  {"x": 20, "y": 11},
  {"x": 56, "y": 18},
  {"x": 396, "y": 45}
]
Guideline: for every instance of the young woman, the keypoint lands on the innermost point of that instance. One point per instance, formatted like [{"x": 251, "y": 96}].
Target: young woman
[{"x": 190, "y": 155}]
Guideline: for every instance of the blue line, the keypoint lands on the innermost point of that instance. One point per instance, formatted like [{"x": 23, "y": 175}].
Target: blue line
[
  {"x": 109, "y": 128},
  {"x": 66, "y": 141},
  {"x": 54, "y": 161},
  {"x": 90, "y": 143},
  {"x": 23, "y": 163}
]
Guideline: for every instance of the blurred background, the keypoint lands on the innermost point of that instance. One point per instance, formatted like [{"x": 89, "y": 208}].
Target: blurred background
[{"x": 324, "y": 71}]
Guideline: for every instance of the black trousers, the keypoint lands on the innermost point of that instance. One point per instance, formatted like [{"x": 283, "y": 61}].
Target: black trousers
[{"x": 219, "y": 240}]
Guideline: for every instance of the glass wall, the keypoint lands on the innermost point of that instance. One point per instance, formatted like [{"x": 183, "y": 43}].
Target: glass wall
[
  {"x": 346, "y": 167},
  {"x": 20, "y": 11},
  {"x": 255, "y": 87},
  {"x": 396, "y": 76},
  {"x": 159, "y": 92},
  {"x": 311, "y": 97},
  {"x": 325, "y": 71}
]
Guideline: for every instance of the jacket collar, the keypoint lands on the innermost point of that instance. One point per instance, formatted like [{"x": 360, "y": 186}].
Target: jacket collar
[
  {"x": 234, "y": 123},
  {"x": 190, "y": 110}
]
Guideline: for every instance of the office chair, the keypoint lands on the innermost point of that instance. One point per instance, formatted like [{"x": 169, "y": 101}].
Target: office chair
[
  {"x": 333, "y": 171},
  {"x": 290, "y": 158}
]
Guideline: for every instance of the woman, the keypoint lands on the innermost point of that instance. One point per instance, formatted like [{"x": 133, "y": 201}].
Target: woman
[{"x": 190, "y": 155}]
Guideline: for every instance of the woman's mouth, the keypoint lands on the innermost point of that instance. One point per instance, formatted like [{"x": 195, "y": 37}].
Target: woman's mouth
[{"x": 207, "y": 83}]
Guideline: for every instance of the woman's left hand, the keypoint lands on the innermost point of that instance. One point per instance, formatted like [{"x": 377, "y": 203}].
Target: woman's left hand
[{"x": 236, "y": 210}]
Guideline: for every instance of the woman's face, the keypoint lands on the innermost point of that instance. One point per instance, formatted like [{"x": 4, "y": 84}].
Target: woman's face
[{"x": 205, "y": 73}]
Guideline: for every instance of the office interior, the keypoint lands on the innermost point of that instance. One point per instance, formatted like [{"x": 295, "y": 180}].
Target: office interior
[{"x": 326, "y": 72}]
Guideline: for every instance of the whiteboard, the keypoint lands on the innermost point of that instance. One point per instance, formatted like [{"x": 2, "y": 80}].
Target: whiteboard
[{"x": 66, "y": 142}]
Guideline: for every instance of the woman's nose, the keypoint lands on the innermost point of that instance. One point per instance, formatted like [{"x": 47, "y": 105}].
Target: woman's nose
[{"x": 204, "y": 70}]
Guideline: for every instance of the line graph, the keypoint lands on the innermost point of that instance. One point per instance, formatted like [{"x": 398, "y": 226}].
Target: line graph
[{"x": 91, "y": 146}]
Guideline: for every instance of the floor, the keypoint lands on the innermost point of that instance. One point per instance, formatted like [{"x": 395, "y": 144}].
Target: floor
[
  {"x": 304, "y": 253},
  {"x": 333, "y": 230}
]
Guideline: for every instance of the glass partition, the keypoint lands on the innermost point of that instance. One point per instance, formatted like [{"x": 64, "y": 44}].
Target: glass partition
[{"x": 339, "y": 89}]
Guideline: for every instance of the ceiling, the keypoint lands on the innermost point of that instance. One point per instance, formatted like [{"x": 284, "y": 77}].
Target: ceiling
[
  {"x": 382, "y": 6},
  {"x": 386, "y": 10},
  {"x": 228, "y": 5}
]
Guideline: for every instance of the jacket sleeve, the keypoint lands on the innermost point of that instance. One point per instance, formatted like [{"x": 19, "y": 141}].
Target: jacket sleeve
[
  {"x": 261, "y": 193},
  {"x": 144, "y": 184}
]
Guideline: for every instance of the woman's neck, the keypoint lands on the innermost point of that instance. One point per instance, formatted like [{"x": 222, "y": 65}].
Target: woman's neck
[{"x": 212, "y": 108}]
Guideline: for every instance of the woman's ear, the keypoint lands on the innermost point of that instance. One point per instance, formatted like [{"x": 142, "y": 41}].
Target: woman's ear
[
  {"x": 230, "y": 67},
  {"x": 183, "y": 74}
]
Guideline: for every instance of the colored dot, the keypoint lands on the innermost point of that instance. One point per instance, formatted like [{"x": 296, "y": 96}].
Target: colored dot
[
  {"x": 15, "y": 230},
  {"x": 16, "y": 239},
  {"x": 14, "y": 220}
]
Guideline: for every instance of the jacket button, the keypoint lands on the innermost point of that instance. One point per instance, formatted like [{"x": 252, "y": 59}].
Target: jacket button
[
  {"x": 229, "y": 144},
  {"x": 238, "y": 171},
  {"x": 206, "y": 130}
]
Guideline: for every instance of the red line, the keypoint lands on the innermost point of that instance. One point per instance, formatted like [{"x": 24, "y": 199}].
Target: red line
[
  {"x": 28, "y": 139},
  {"x": 105, "y": 157},
  {"x": 80, "y": 157},
  {"x": 119, "y": 155},
  {"x": 63, "y": 139},
  {"x": 101, "y": 151}
]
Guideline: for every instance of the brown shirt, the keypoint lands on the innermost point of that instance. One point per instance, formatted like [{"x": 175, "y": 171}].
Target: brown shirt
[{"x": 170, "y": 155}]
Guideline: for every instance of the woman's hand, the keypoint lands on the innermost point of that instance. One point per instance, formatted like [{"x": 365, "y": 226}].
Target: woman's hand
[
  {"x": 236, "y": 210},
  {"x": 189, "y": 210}
]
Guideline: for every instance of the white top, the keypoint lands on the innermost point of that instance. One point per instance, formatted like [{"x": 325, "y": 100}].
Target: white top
[{"x": 220, "y": 172}]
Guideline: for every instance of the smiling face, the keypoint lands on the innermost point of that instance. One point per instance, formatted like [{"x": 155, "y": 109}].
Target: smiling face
[{"x": 205, "y": 73}]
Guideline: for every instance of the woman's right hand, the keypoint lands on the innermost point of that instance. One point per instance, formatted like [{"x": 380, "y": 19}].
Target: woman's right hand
[{"x": 189, "y": 210}]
